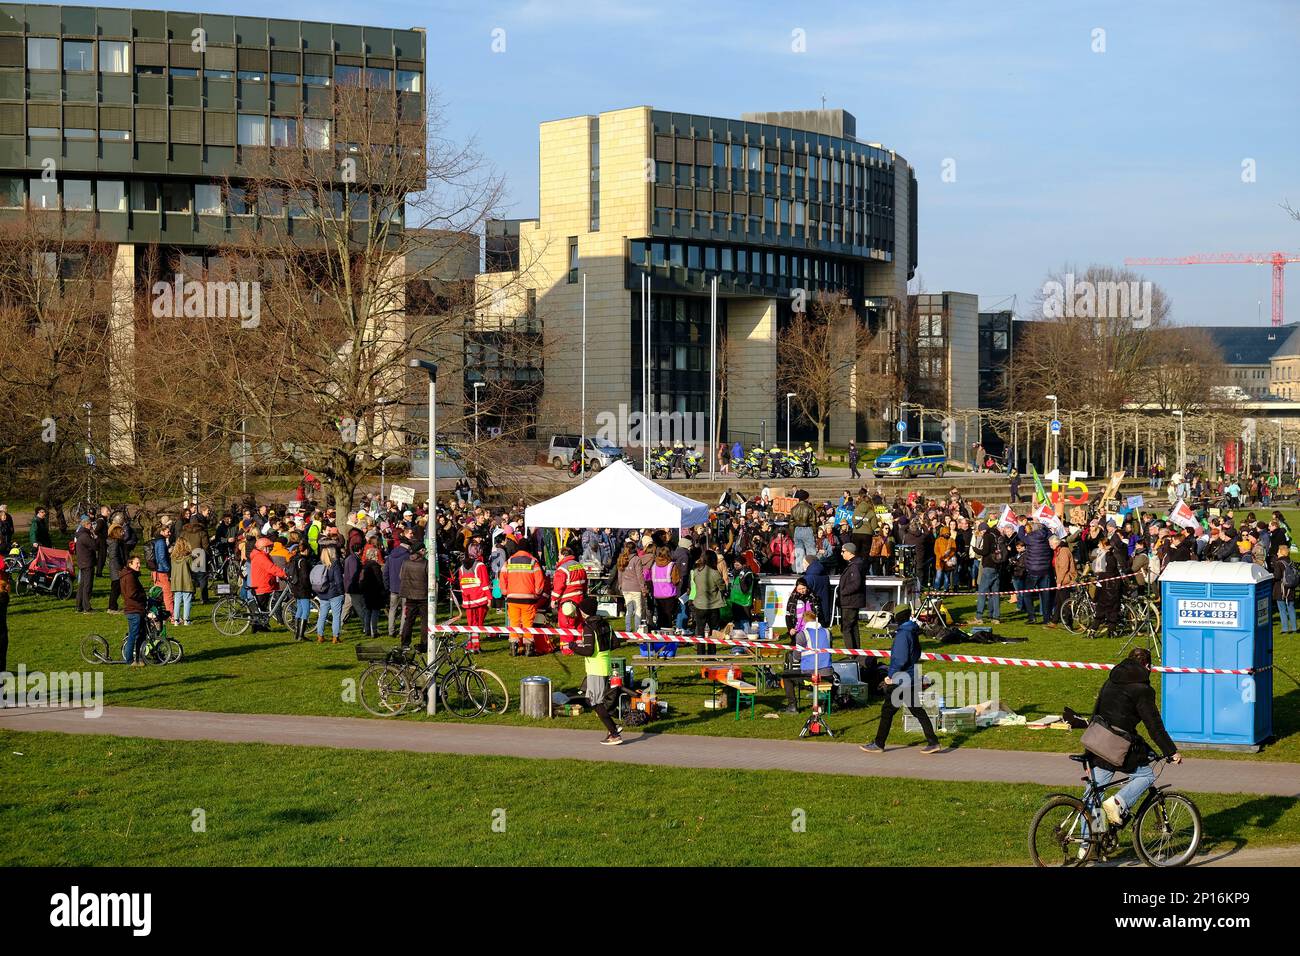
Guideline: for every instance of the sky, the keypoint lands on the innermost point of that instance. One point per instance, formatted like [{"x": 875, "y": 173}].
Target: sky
[{"x": 1046, "y": 135}]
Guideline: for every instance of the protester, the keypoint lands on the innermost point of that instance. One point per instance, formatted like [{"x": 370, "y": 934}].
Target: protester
[{"x": 903, "y": 686}]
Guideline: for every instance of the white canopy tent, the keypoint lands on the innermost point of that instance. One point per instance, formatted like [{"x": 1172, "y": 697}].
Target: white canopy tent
[{"x": 617, "y": 497}]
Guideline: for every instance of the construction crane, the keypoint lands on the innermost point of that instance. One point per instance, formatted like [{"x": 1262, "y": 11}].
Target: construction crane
[{"x": 1277, "y": 260}]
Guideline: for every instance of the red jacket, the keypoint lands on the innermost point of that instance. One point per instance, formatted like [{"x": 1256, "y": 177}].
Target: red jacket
[
  {"x": 263, "y": 572},
  {"x": 475, "y": 588},
  {"x": 569, "y": 582}
]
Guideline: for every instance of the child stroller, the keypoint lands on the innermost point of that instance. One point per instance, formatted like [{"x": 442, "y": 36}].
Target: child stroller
[{"x": 49, "y": 572}]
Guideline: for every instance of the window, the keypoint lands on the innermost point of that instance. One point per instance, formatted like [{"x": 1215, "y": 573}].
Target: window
[
  {"x": 43, "y": 132},
  {"x": 316, "y": 133},
  {"x": 408, "y": 81},
  {"x": 573, "y": 259},
  {"x": 110, "y": 195},
  {"x": 378, "y": 78},
  {"x": 148, "y": 70},
  {"x": 76, "y": 132},
  {"x": 692, "y": 257},
  {"x": 144, "y": 196},
  {"x": 184, "y": 71},
  {"x": 42, "y": 193},
  {"x": 284, "y": 131},
  {"x": 252, "y": 76},
  {"x": 754, "y": 159},
  {"x": 347, "y": 75},
  {"x": 252, "y": 130},
  {"x": 115, "y": 135},
  {"x": 207, "y": 199},
  {"x": 11, "y": 192},
  {"x": 270, "y": 202},
  {"x": 237, "y": 200},
  {"x": 301, "y": 204},
  {"x": 281, "y": 77},
  {"x": 315, "y": 79},
  {"x": 176, "y": 197},
  {"x": 114, "y": 56},
  {"x": 42, "y": 53},
  {"x": 711, "y": 259},
  {"x": 658, "y": 255},
  {"x": 76, "y": 194},
  {"x": 79, "y": 56},
  {"x": 218, "y": 74},
  {"x": 637, "y": 252}
]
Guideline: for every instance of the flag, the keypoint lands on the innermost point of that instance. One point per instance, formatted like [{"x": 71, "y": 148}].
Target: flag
[
  {"x": 1182, "y": 515},
  {"x": 1040, "y": 493},
  {"x": 1045, "y": 515},
  {"x": 1008, "y": 519}
]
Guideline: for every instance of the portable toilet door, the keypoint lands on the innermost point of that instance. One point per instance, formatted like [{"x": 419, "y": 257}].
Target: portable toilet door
[{"x": 1217, "y": 614}]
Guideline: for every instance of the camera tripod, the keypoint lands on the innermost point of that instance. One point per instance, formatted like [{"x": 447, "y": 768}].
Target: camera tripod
[{"x": 816, "y": 724}]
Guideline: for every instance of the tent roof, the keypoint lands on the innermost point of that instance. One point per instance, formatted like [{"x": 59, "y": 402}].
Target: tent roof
[{"x": 617, "y": 497}]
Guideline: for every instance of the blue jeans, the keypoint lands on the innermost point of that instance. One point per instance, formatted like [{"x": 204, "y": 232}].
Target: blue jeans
[
  {"x": 133, "y": 622},
  {"x": 987, "y": 586},
  {"x": 803, "y": 538},
  {"x": 1130, "y": 793},
  {"x": 302, "y": 610},
  {"x": 1022, "y": 599},
  {"x": 246, "y": 587},
  {"x": 680, "y": 622},
  {"x": 182, "y": 601},
  {"x": 1286, "y": 611},
  {"x": 1043, "y": 580},
  {"x": 333, "y": 608},
  {"x": 941, "y": 580}
]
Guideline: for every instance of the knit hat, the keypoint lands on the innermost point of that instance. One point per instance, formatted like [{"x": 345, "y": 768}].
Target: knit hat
[{"x": 588, "y": 606}]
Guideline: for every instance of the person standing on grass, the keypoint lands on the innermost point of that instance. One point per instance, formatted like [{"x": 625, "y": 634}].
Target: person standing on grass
[
  {"x": 84, "y": 541},
  {"x": 39, "y": 533},
  {"x": 414, "y": 584},
  {"x": 133, "y": 605},
  {"x": 6, "y": 531},
  {"x": 101, "y": 540},
  {"x": 263, "y": 575},
  {"x": 706, "y": 585},
  {"x": 299, "y": 576},
  {"x": 6, "y": 586},
  {"x": 331, "y": 596},
  {"x": 903, "y": 686},
  {"x": 1285, "y": 575},
  {"x": 162, "y": 560},
  {"x": 182, "y": 580}
]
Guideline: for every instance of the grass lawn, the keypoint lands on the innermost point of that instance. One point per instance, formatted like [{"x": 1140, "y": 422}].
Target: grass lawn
[{"x": 131, "y": 802}]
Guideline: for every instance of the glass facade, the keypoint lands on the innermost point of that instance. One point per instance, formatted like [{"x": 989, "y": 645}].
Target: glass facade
[{"x": 679, "y": 342}]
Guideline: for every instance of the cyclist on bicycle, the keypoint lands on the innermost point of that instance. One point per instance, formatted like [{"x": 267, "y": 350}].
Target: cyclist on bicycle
[{"x": 1127, "y": 699}]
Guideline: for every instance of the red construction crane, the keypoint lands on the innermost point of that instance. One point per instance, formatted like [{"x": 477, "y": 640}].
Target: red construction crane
[{"x": 1277, "y": 260}]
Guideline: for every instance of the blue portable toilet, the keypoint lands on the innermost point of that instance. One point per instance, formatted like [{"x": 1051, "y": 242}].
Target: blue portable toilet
[{"x": 1217, "y": 614}]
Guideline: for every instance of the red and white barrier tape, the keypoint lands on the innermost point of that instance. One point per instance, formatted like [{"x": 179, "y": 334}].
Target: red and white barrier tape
[{"x": 638, "y": 637}]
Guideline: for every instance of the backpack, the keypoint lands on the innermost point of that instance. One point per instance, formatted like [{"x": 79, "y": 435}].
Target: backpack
[
  {"x": 319, "y": 579},
  {"x": 1290, "y": 576},
  {"x": 1001, "y": 549},
  {"x": 976, "y": 544},
  {"x": 595, "y": 632},
  {"x": 150, "y": 557}
]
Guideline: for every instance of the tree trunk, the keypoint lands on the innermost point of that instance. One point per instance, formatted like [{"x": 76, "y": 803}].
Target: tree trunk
[
  {"x": 342, "y": 492},
  {"x": 821, "y": 438}
]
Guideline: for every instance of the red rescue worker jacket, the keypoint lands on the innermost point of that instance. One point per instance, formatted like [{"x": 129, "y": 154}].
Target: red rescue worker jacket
[
  {"x": 522, "y": 578},
  {"x": 569, "y": 582},
  {"x": 475, "y": 588}
]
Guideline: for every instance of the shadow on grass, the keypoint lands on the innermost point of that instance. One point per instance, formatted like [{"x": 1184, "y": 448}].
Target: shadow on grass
[
  {"x": 301, "y": 815},
  {"x": 1221, "y": 829},
  {"x": 230, "y": 650}
]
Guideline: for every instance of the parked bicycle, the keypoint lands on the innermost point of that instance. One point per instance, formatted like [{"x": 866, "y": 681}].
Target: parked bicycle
[
  {"x": 397, "y": 681},
  {"x": 233, "y": 615},
  {"x": 1068, "y": 831}
]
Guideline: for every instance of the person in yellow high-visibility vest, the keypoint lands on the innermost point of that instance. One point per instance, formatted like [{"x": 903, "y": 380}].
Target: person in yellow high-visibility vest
[{"x": 523, "y": 582}]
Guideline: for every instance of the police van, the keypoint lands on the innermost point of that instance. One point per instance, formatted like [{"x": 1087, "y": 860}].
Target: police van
[{"x": 909, "y": 459}]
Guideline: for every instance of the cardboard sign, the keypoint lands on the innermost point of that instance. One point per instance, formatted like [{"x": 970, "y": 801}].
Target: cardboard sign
[
  {"x": 1134, "y": 502},
  {"x": 782, "y": 505},
  {"x": 401, "y": 495},
  {"x": 844, "y": 515}
]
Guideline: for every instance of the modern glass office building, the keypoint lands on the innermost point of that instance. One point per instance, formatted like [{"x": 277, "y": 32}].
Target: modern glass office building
[{"x": 770, "y": 204}]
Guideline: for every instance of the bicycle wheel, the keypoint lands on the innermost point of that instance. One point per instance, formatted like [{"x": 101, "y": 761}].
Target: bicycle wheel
[
  {"x": 1059, "y": 835},
  {"x": 496, "y": 699},
  {"x": 231, "y": 616},
  {"x": 232, "y": 573},
  {"x": 1167, "y": 831},
  {"x": 284, "y": 614},
  {"x": 462, "y": 692},
  {"x": 1067, "y": 615},
  {"x": 384, "y": 690},
  {"x": 94, "y": 649}
]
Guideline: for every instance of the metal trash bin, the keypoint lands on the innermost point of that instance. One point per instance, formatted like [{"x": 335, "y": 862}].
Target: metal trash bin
[{"x": 535, "y": 697}]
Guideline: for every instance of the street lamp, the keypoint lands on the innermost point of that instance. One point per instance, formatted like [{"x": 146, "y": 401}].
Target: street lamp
[
  {"x": 1182, "y": 443},
  {"x": 788, "y": 396},
  {"x": 430, "y": 541},
  {"x": 1056, "y": 440},
  {"x": 762, "y": 433},
  {"x": 1015, "y": 442},
  {"x": 477, "y": 386}
]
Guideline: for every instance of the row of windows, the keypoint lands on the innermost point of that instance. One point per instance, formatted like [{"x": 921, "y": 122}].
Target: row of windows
[
  {"x": 115, "y": 57},
  {"x": 281, "y": 132},
  {"x": 852, "y": 232},
  {"x": 759, "y": 266},
  {"x": 856, "y": 182},
  {"x": 205, "y": 199}
]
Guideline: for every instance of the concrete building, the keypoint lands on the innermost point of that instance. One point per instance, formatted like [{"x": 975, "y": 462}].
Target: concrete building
[
  {"x": 129, "y": 122},
  {"x": 1258, "y": 358},
  {"x": 947, "y": 377},
  {"x": 770, "y": 204}
]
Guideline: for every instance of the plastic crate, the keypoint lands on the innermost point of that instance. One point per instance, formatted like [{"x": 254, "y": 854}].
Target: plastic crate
[{"x": 912, "y": 726}]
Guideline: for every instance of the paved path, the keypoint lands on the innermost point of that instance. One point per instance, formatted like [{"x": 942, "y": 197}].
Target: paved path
[{"x": 672, "y": 750}]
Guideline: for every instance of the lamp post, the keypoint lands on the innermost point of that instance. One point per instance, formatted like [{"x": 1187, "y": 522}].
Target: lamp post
[
  {"x": 477, "y": 386},
  {"x": 1178, "y": 466},
  {"x": 1056, "y": 439},
  {"x": 1015, "y": 442},
  {"x": 431, "y": 608},
  {"x": 762, "y": 433},
  {"x": 788, "y": 396}
]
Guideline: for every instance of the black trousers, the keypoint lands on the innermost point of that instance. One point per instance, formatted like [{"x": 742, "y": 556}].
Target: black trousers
[
  {"x": 706, "y": 621},
  {"x": 666, "y": 612},
  {"x": 849, "y": 625},
  {"x": 602, "y": 707},
  {"x": 896, "y": 698},
  {"x": 85, "y": 587},
  {"x": 263, "y": 602},
  {"x": 410, "y": 612},
  {"x": 114, "y": 592},
  {"x": 101, "y": 556}
]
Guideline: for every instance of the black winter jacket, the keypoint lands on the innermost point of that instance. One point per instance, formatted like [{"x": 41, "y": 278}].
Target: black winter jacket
[{"x": 1127, "y": 699}]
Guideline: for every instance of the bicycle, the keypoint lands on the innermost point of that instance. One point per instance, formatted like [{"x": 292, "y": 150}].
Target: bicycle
[
  {"x": 233, "y": 615},
  {"x": 399, "y": 682},
  {"x": 154, "y": 645},
  {"x": 1068, "y": 831}
]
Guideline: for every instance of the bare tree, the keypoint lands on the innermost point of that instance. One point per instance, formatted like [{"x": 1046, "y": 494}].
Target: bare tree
[
  {"x": 818, "y": 355},
  {"x": 1185, "y": 367}
]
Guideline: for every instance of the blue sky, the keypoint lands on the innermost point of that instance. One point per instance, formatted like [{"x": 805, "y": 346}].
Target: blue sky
[{"x": 1063, "y": 156}]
